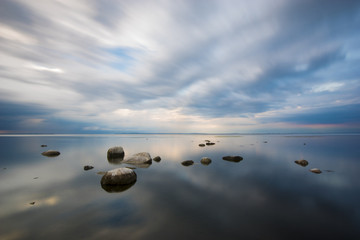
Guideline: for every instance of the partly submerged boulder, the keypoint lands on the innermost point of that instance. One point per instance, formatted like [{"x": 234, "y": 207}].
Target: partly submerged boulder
[
  {"x": 51, "y": 153},
  {"x": 115, "y": 155},
  {"x": 205, "y": 161},
  {"x": 119, "y": 176},
  {"x": 302, "y": 162},
  {"x": 139, "y": 158},
  {"x": 187, "y": 163},
  {"x": 157, "y": 159},
  {"x": 233, "y": 158}
]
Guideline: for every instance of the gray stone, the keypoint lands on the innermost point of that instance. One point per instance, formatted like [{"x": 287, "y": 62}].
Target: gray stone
[
  {"x": 119, "y": 176},
  {"x": 302, "y": 162},
  {"x": 233, "y": 158},
  {"x": 51, "y": 153},
  {"x": 205, "y": 161},
  {"x": 139, "y": 158}
]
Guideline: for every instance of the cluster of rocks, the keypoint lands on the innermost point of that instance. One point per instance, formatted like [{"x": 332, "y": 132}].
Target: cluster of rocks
[
  {"x": 207, "y": 161},
  {"x": 207, "y": 143},
  {"x": 304, "y": 163}
]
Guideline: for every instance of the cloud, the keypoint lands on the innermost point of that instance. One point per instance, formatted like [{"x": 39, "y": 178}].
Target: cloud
[{"x": 203, "y": 60}]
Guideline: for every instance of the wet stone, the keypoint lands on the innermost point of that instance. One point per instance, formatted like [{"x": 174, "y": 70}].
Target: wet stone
[
  {"x": 315, "y": 170},
  {"x": 157, "y": 159},
  {"x": 205, "y": 161},
  {"x": 187, "y": 163},
  {"x": 51, "y": 153},
  {"x": 87, "y": 167},
  {"x": 233, "y": 158},
  {"x": 302, "y": 162}
]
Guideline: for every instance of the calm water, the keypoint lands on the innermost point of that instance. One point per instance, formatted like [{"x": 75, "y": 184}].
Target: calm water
[{"x": 265, "y": 196}]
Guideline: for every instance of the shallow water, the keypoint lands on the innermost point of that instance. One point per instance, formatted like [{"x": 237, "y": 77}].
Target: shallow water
[{"x": 264, "y": 196}]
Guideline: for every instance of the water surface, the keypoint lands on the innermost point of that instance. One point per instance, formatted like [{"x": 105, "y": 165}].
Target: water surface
[{"x": 264, "y": 196}]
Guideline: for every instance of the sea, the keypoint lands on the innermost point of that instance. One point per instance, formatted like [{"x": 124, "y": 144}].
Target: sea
[{"x": 266, "y": 195}]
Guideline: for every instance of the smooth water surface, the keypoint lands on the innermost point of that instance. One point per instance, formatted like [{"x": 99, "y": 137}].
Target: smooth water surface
[{"x": 264, "y": 196}]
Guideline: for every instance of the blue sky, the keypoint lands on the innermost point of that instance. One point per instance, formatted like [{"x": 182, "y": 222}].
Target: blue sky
[{"x": 174, "y": 66}]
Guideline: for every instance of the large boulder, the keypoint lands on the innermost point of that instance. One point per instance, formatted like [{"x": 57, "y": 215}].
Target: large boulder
[
  {"x": 119, "y": 176},
  {"x": 51, "y": 153},
  {"x": 115, "y": 154},
  {"x": 139, "y": 158}
]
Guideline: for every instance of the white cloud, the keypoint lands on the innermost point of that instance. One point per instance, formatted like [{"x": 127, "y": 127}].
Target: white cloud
[{"x": 327, "y": 87}]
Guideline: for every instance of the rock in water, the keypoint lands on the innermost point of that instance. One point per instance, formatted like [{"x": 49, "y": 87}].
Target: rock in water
[
  {"x": 210, "y": 143},
  {"x": 51, "y": 153},
  {"x": 157, "y": 159},
  {"x": 115, "y": 152},
  {"x": 302, "y": 162},
  {"x": 43, "y": 145},
  {"x": 205, "y": 161},
  {"x": 139, "y": 158},
  {"x": 187, "y": 163},
  {"x": 87, "y": 167},
  {"x": 315, "y": 170},
  {"x": 233, "y": 158},
  {"x": 201, "y": 145},
  {"x": 119, "y": 176}
]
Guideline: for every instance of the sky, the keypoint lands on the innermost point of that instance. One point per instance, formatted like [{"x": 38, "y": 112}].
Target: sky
[{"x": 179, "y": 66}]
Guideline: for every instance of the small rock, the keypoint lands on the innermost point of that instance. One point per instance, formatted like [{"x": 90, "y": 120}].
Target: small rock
[
  {"x": 315, "y": 170},
  {"x": 87, "y": 167},
  {"x": 51, "y": 153},
  {"x": 205, "y": 161},
  {"x": 32, "y": 203},
  {"x": 44, "y": 145},
  {"x": 210, "y": 143},
  {"x": 119, "y": 176},
  {"x": 157, "y": 159},
  {"x": 187, "y": 163},
  {"x": 35, "y": 177},
  {"x": 302, "y": 162},
  {"x": 265, "y": 142},
  {"x": 233, "y": 158},
  {"x": 201, "y": 145}
]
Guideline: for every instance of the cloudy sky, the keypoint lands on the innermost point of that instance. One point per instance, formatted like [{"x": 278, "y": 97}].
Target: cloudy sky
[{"x": 182, "y": 66}]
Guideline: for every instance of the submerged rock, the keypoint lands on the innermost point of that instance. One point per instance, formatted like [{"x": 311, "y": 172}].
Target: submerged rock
[
  {"x": 205, "y": 161},
  {"x": 116, "y": 188},
  {"x": 187, "y": 163},
  {"x": 119, "y": 176},
  {"x": 315, "y": 170},
  {"x": 87, "y": 167},
  {"x": 302, "y": 162},
  {"x": 43, "y": 145},
  {"x": 139, "y": 158},
  {"x": 233, "y": 158},
  {"x": 51, "y": 153},
  {"x": 157, "y": 159}
]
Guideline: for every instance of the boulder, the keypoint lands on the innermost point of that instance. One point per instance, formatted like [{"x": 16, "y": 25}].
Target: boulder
[
  {"x": 315, "y": 170},
  {"x": 139, "y": 158},
  {"x": 157, "y": 159},
  {"x": 187, "y": 163},
  {"x": 302, "y": 162},
  {"x": 119, "y": 176},
  {"x": 233, "y": 158},
  {"x": 205, "y": 161},
  {"x": 51, "y": 153},
  {"x": 115, "y": 155}
]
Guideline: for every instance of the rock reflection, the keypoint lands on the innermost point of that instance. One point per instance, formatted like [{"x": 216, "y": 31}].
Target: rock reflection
[
  {"x": 115, "y": 160},
  {"x": 116, "y": 188}
]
